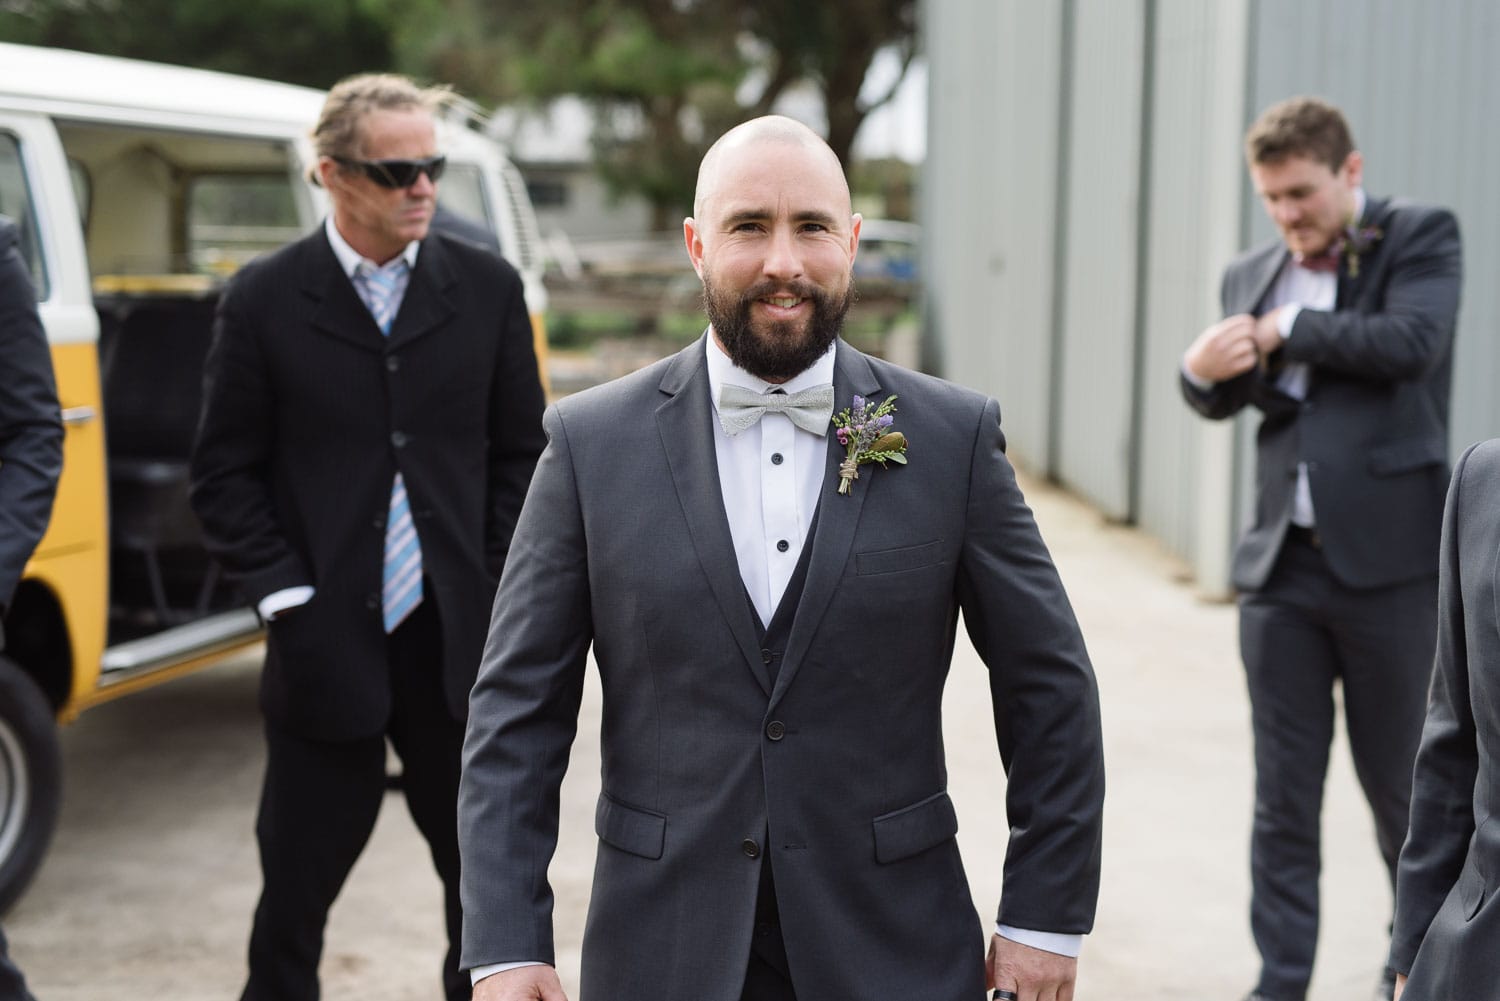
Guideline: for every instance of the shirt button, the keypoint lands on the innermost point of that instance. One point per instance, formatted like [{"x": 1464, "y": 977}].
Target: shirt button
[
  {"x": 750, "y": 848},
  {"x": 776, "y": 459},
  {"x": 399, "y": 439},
  {"x": 782, "y": 546},
  {"x": 775, "y": 729}
]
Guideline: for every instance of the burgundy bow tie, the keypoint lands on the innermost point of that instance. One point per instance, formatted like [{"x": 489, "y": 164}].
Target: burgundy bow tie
[{"x": 1325, "y": 263}]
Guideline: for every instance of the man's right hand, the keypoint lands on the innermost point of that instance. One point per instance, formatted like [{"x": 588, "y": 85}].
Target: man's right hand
[
  {"x": 1224, "y": 350},
  {"x": 525, "y": 983}
]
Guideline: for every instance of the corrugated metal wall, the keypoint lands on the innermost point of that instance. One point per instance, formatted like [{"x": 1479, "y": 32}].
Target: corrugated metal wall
[
  {"x": 1104, "y": 75},
  {"x": 990, "y": 261},
  {"x": 1085, "y": 187}
]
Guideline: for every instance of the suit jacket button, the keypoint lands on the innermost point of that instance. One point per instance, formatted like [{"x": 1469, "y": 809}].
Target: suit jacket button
[
  {"x": 767, "y": 656},
  {"x": 372, "y": 601},
  {"x": 750, "y": 848},
  {"x": 399, "y": 439},
  {"x": 776, "y": 729},
  {"x": 392, "y": 363}
]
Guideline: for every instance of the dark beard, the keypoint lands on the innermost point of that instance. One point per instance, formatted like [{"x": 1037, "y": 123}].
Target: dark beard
[{"x": 774, "y": 355}]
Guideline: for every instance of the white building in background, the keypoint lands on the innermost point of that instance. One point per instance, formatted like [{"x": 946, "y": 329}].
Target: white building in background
[{"x": 1084, "y": 189}]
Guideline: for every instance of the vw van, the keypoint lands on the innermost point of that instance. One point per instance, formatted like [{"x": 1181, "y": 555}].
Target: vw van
[{"x": 138, "y": 190}]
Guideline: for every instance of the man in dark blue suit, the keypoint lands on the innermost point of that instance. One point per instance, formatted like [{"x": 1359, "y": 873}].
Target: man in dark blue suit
[{"x": 1341, "y": 334}]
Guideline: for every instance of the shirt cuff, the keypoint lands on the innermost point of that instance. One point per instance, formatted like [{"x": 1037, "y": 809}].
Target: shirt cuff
[
  {"x": 277, "y": 602},
  {"x": 1202, "y": 385},
  {"x": 1047, "y": 941},
  {"x": 1285, "y": 317},
  {"x": 480, "y": 972}
]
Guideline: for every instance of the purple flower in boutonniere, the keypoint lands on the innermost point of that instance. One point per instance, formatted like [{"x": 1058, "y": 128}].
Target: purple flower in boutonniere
[
  {"x": 865, "y": 430},
  {"x": 1359, "y": 240}
]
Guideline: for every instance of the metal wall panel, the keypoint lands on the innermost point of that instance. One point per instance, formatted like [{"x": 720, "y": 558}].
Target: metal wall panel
[
  {"x": 1094, "y": 440},
  {"x": 990, "y": 200},
  {"x": 1195, "y": 192}
]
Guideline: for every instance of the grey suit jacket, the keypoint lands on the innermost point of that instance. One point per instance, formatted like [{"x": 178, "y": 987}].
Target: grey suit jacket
[
  {"x": 1373, "y": 428},
  {"x": 1447, "y": 929},
  {"x": 624, "y": 542}
]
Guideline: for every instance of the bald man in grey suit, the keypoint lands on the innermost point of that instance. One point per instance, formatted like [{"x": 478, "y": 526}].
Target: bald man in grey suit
[{"x": 773, "y": 643}]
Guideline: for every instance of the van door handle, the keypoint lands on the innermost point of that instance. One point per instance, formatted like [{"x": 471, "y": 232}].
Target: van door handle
[{"x": 73, "y": 416}]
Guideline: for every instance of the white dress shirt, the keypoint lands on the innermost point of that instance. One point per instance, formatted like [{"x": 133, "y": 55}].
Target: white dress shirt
[{"x": 349, "y": 259}]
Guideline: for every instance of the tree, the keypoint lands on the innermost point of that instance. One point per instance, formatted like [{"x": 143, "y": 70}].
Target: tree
[
  {"x": 288, "y": 40},
  {"x": 667, "y": 76}
]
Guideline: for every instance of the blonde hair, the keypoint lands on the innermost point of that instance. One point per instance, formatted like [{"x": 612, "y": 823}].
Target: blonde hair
[{"x": 338, "y": 132}]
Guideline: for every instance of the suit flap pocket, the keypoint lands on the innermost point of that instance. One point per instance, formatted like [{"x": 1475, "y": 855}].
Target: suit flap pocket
[
  {"x": 639, "y": 832},
  {"x": 1470, "y": 888},
  {"x": 894, "y": 560},
  {"x": 916, "y": 828},
  {"x": 1407, "y": 454}
]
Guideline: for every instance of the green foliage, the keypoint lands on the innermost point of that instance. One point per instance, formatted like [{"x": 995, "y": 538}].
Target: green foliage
[
  {"x": 288, "y": 40},
  {"x": 665, "y": 77}
]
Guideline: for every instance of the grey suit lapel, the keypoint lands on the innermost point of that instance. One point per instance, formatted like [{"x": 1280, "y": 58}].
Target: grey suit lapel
[
  {"x": 838, "y": 517},
  {"x": 687, "y": 438},
  {"x": 1259, "y": 274}
]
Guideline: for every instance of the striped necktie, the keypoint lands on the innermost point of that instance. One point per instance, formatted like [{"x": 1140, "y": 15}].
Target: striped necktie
[{"x": 382, "y": 290}]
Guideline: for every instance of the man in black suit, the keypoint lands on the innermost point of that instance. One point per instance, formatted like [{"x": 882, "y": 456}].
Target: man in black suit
[
  {"x": 1447, "y": 918},
  {"x": 371, "y": 419},
  {"x": 1341, "y": 334},
  {"x": 31, "y": 436},
  {"x": 773, "y": 636}
]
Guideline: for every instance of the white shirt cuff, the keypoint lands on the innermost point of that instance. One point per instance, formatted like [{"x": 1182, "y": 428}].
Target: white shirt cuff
[
  {"x": 480, "y": 972},
  {"x": 277, "y": 602},
  {"x": 1285, "y": 317},
  {"x": 1197, "y": 383},
  {"x": 1047, "y": 941}
]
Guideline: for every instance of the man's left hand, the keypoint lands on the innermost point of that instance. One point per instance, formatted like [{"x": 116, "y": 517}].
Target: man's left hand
[{"x": 1035, "y": 975}]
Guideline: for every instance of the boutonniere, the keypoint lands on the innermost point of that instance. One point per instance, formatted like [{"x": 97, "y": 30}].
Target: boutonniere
[
  {"x": 865, "y": 430},
  {"x": 1359, "y": 240}
]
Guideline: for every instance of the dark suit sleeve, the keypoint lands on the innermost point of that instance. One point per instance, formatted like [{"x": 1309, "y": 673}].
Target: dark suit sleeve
[
  {"x": 1045, "y": 698},
  {"x": 1413, "y": 332},
  {"x": 1442, "y": 801},
  {"x": 232, "y": 459},
  {"x": 31, "y": 431},
  {"x": 515, "y": 432},
  {"x": 523, "y": 714}
]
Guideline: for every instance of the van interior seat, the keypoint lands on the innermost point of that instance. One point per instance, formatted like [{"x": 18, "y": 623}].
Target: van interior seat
[{"x": 152, "y": 353}]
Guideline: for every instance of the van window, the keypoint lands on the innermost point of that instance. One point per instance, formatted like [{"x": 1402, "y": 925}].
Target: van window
[
  {"x": 462, "y": 190},
  {"x": 233, "y": 217},
  {"x": 15, "y": 202}
]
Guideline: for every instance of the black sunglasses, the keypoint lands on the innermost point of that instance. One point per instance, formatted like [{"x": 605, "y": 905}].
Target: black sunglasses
[{"x": 397, "y": 173}]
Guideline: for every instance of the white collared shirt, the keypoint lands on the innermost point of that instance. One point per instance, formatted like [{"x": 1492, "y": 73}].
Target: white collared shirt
[{"x": 770, "y": 475}]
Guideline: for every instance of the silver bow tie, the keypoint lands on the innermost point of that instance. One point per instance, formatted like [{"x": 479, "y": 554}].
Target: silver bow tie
[{"x": 810, "y": 410}]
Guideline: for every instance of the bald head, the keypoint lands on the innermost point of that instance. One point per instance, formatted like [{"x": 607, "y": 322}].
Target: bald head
[{"x": 756, "y": 139}]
